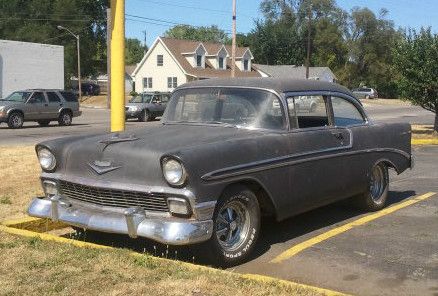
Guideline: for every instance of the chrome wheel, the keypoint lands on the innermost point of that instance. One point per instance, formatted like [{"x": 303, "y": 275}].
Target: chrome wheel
[
  {"x": 377, "y": 184},
  {"x": 232, "y": 225},
  {"x": 16, "y": 120},
  {"x": 66, "y": 118}
]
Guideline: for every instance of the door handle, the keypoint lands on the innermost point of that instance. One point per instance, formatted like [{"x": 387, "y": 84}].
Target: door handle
[{"x": 46, "y": 105}]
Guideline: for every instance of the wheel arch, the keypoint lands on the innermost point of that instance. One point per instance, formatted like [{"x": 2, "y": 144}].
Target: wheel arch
[
  {"x": 390, "y": 164},
  {"x": 264, "y": 198},
  {"x": 9, "y": 112},
  {"x": 65, "y": 110}
]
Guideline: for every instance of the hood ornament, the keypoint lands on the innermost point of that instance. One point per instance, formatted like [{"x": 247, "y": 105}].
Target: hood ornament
[
  {"x": 117, "y": 138},
  {"x": 102, "y": 166}
]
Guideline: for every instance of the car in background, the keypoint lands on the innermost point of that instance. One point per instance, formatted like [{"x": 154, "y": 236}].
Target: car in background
[
  {"x": 88, "y": 88},
  {"x": 147, "y": 106},
  {"x": 40, "y": 105},
  {"x": 365, "y": 93}
]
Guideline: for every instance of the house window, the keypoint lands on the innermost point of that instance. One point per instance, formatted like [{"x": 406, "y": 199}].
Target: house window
[
  {"x": 199, "y": 60},
  {"x": 221, "y": 63},
  {"x": 172, "y": 82},
  {"x": 245, "y": 65},
  {"x": 147, "y": 82},
  {"x": 160, "y": 60}
]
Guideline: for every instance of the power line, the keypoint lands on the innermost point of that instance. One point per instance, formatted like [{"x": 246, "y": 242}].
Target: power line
[{"x": 43, "y": 19}]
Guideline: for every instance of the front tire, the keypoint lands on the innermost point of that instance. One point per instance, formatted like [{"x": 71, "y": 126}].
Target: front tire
[
  {"x": 236, "y": 227},
  {"x": 15, "y": 120},
  {"x": 144, "y": 116},
  {"x": 375, "y": 197}
]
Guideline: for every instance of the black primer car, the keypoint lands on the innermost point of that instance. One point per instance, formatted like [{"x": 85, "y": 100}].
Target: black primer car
[{"x": 228, "y": 152}]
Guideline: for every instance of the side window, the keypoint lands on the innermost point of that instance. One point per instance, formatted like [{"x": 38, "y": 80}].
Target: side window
[
  {"x": 307, "y": 111},
  {"x": 38, "y": 97},
  {"x": 53, "y": 97},
  {"x": 345, "y": 113}
]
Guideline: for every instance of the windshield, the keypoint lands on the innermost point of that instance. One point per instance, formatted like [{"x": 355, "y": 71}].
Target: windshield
[
  {"x": 248, "y": 108},
  {"x": 141, "y": 99},
  {"x": 18, "y": 96}
]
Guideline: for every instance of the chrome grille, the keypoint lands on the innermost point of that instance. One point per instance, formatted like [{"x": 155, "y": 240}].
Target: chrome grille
[{"x": 114, "y": 197}]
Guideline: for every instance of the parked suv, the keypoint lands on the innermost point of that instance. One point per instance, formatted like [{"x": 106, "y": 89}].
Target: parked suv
[
  {"x": 365, "y": 93},
  {"x": 147, "y": 106},
  {"x": 40, "y": 105}
]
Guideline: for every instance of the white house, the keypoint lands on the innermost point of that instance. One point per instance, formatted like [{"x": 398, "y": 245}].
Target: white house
[
  {"x": 102, "y": 79},
  {"x": 172, "y": 62},
  {"x": 26, "y": 65},
  {"x": 295, "y": 72}
]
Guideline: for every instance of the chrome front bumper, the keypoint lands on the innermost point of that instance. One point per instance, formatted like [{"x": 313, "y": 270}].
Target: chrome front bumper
[{"x": 133, "y": 221}]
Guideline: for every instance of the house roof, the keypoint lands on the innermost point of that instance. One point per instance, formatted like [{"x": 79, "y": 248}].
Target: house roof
[
  {"x": 129, "y": 69},
  {"x": 280, "y": 85},
  {"x": 292, "y": 71},
  {"x": 179, "y": 49}
]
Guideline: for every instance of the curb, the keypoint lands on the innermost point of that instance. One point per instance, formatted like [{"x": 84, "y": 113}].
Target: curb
[
  {"x": 424, "y": 141},
  {"x": 21, "y": 227}
]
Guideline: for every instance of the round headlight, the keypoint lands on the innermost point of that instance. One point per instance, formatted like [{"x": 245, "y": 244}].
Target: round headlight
[
  {"x": 47, "y": 159},
  {"x": 174, "y": 172}
]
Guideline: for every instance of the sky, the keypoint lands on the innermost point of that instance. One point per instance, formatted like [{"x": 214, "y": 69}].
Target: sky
[{"x": 156, "y": 16}]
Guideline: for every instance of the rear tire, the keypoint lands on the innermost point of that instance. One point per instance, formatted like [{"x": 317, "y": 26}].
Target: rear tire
[
  {"x": 236, "y": 228},
  {"x": 43, "y": 122},
  {"x": 375, "y": 197},
  {"x": 15, "y": 120},
  {"x": 65, "y": 118}
]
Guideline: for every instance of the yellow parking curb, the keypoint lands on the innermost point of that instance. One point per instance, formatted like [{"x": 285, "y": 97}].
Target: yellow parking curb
[
  {"x": 259, "y": 278},
  {"x": 33, "y": 224},
  {"x": 424, "y": 141}
]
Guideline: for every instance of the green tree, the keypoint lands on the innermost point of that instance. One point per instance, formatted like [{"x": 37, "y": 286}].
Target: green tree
[
  {"x": 134, "y": 51},
  {"x": 415, "y": 58},
  {"x": 36, "y": 21},
  {"x": 206, "y": 34},
  {"x": 370, "y": 40}
]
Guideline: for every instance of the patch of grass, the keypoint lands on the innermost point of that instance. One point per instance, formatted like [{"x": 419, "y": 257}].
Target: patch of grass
[
  {"x": 423, "y": 132},
  {"x": 99, "y": 101},
  {"x": 5, "y": 200},
  {"x": 36, "y": 267},
  {"x": 20, "y": 180}
]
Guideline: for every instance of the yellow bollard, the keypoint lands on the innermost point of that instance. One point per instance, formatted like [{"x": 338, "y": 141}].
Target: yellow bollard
[{"x": 118, "y": 66}]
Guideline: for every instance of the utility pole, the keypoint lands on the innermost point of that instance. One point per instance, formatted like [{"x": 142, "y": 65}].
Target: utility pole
[
  {"x": 233, "y": 44},
  {"x": 108, "y": 57},
  {"x": 309, "y": 30},
  {"x": 145, "y": 40},
  {"x": 117, "y": 65}
]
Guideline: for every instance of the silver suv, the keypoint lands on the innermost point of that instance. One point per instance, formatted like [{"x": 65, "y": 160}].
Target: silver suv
[
  {"x": 365, "y": 93},
  {"x": 39, "y": 105}
]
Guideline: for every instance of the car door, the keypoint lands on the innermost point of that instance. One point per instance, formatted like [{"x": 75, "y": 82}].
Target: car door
[
  {"x": 54, "y": 105},
  {"x": 35, "y": 106},
  {"x": 164, "y": 100},
  {"x": 315, "y": 176}
]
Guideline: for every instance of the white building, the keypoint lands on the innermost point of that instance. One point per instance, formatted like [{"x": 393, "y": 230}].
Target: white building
[
  {"x": 172, "y": 62},
  {"x": 295, "y": 72},
  {"x": 26, "y": 65}
]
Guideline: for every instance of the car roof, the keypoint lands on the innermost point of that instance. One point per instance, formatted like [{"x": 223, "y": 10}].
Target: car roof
[{"x": 279, "y": 85}]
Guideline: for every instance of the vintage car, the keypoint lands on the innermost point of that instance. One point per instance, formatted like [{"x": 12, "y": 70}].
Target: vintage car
[{"x": 227, "y": 153}]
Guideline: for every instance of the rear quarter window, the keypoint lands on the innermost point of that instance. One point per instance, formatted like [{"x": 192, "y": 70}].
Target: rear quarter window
[{"x": 69, "y": 96}]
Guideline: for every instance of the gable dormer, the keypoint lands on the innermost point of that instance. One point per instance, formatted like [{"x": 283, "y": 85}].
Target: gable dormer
[
  {"x": 217, "y": 57},
  {"x": 244, "y": 62},
  {"x": 199, "y": 56}
]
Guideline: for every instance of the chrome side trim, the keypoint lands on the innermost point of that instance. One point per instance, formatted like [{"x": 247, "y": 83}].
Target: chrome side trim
[
  {"x": 289, "y": 160},
  {"x": 172, "y": 231}
]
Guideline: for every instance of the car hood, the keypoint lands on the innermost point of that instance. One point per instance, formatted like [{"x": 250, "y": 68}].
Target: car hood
[
  {"x": 4, "y": 103},
  {"x": 136, "y": 155}
]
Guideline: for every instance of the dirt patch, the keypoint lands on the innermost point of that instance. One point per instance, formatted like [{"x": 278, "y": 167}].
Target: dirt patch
[
  {"x": 99, "y": 101},
  {"x": 423, "y": 132},
  {"x": 28, "y": 268},
  {"x": 20, "y": 182}
]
